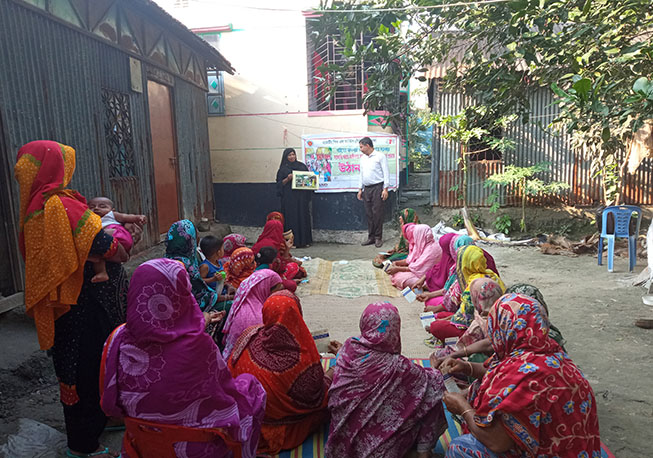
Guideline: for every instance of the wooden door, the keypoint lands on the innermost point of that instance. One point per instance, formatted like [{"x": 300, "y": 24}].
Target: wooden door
[{"x": 164, "y": 146}]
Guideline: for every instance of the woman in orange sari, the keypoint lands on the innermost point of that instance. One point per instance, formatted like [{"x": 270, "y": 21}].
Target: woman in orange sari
[
  {"x": 73, "y": 316},
  {"x": 281, "y": 354}
]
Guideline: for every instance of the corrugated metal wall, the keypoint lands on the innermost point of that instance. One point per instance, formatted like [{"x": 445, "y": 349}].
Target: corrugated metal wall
[
  {"x": 52, "y": 77},
  {"x": 533, "y": 144},
  {"x": 193, "y": 151}
]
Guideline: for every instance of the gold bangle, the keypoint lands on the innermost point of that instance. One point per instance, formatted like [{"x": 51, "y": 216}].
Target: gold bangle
[
  {"x": 465, "y": 348},
  {"x": 462, "y": 415},
  {"x": 471, "y": 368}
]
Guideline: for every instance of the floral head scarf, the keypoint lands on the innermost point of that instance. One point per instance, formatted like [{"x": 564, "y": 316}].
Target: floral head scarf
[
  {"x": 544, "y": 401},
  {"x": 241, "y": 265},
  {"x": 471, "y": 264},
  {"x": 181, "y": 245},
  {"x": 484, "y": 292},
  {"x": 380, "y": 327}
]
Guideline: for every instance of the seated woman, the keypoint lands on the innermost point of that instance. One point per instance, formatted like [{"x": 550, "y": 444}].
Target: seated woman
[
  {"x": 423, "y": 254},
  {"x": 285, "y": 265},
  {"x": 161, "y": 367},
  {"x": 181, "y": 245},
  {"x": 484, "y": 293},
  {"x": 230, "y": 244},
  {"x": 281, "y": 354},
  {"x": 241, "y": 265},
  {"x": 434, "y": 298},
  {"x": 247, "y": 308},
  {"x": 471, "y": 264},
  {"x": 436, "y": 278},
  {"x": 381, "y": 403},
  {"x": 400, "y": 251},
  {"x": 531, "y": 400}
]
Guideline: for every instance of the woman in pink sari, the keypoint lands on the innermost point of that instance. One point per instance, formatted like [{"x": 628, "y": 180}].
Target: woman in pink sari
[
  {"x": 247, "y": 308},
  {"x": 162, "y": 367},
  {"x": 382, "y": 404},
  {"x": 423, "y": 253}
]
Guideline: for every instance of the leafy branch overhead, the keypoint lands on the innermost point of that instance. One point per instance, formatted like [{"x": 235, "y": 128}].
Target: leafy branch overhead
[{"x": 595, "y": 55}]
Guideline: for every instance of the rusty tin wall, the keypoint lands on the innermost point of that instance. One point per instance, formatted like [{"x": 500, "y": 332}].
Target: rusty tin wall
[
  {"x": 52, "y": 80},
  {"x": 533, "y": 143}
]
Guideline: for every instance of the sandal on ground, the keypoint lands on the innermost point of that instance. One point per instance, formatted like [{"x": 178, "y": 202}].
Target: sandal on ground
[
  {"x": 105, "y": 451},
  {"x": 432, "y": 342}
]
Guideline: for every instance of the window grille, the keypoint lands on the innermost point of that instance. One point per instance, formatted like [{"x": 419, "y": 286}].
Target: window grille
[
  {"x": 349, "y": 90},
  {"x": 215, "y": 97},
  {"x": 118, "y": 134}
]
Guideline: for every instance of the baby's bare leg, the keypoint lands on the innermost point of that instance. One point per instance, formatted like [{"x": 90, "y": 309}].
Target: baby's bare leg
[{"x": 100, "y": 269}]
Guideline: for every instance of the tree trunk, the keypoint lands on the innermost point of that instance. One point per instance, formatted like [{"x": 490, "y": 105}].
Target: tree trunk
[
  {"x": 463, "y": 149},
  {"x": 522, "y": 223}
]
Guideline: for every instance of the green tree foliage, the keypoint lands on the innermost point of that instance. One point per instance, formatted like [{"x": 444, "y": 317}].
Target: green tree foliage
[
  {"x": 596, "y": 55},
  {"x": 527, "y": 183},
  {"x": 463, "y": 128}
]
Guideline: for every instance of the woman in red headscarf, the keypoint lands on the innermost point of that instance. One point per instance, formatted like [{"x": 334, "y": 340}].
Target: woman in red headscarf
[
  {"x": 73, "y": 316},
  {"x": 285, "y": 265},
  {"x": 281, "y": 354}
]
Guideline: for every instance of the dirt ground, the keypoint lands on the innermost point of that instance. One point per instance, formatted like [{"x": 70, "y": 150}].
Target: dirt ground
[{"x": 594, "y": 309}]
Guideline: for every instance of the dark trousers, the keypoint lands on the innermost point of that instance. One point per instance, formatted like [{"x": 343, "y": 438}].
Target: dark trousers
[{"x": 374, "y": 210}]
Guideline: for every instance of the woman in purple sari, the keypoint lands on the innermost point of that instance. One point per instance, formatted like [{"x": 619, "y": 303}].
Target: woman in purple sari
[
  {"x": 162, "y": 367},
  {"x": 382, "y": 404},
  {"x": 247, "y": 308}
]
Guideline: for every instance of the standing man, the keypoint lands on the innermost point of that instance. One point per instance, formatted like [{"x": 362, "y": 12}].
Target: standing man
[{"x": 373, "y": 184}]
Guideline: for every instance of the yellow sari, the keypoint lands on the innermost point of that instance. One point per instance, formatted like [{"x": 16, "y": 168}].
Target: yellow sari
[{"x": 56, "y": 232}]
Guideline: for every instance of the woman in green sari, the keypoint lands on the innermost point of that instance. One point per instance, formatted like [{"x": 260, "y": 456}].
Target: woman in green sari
[{"x": 400, "y": 251}]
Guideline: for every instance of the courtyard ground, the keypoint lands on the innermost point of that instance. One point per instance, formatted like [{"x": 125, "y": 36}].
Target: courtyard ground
[{"x": 594, "y": 309}]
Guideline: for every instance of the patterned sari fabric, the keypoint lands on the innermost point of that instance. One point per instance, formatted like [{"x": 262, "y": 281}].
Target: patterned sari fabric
[
  {"x": 230, "y": 244},
  {"x": 247, "y": 308},
  {"x": 56, "y": 232},
  {"x": 381, "y": 403},
  {"x": 181, "y": 245},
  {"x": 543, "y": 400},
  {"x": 471, "y": 264},
  {"x": 161, "y": 366},
  {"x": 240, "y": 266},
  {"x": 532, "y": 291},
  {"x": 423, "y": 254},
  {"x": 281, "y": 354}
]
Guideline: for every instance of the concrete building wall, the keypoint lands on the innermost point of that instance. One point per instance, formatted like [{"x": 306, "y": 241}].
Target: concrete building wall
[{"x": 267, "y": 110}]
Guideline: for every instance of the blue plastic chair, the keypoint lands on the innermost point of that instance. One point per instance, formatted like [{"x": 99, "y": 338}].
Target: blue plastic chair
[{"x": 622, "y": 215}]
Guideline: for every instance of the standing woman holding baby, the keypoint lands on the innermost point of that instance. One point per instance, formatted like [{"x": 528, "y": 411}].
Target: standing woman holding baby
[
  {"x": 73, "y": 316},
  {"x": 295, "y": 203}
]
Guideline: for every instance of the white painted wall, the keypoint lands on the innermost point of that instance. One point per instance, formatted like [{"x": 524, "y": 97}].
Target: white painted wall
[{"x": 267, "y": 99}]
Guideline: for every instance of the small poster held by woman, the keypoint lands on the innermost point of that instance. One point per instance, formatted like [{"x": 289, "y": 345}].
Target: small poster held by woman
[{"x": 304, "y": 180}]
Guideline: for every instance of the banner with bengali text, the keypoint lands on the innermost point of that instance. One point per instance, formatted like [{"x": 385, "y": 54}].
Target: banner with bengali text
[{"x": 336, "y": 158}]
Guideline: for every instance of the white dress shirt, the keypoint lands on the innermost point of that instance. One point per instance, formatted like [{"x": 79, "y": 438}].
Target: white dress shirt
[{"x": 374, "y": 170}]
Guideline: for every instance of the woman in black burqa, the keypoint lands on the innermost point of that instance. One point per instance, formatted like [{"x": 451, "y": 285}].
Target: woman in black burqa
[{"x": 294, "y": 202}]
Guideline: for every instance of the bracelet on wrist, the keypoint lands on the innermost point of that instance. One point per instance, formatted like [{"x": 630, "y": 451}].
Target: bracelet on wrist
[{"x": 462, "y": 415}]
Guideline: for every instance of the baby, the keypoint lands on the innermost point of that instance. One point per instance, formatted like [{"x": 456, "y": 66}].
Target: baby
[{"x": 113, "y": 222}]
